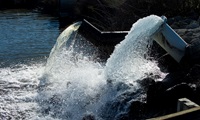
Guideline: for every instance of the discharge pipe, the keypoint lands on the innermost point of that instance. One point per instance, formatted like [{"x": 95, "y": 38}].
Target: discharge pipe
[{"x": 170, "y": 41}]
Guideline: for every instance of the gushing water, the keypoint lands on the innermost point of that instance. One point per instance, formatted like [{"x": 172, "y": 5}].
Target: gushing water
[
  {"x": 130, "y": 61},
  {"x": 73, "y": 84},
  {"x": 73, "y": 80}
]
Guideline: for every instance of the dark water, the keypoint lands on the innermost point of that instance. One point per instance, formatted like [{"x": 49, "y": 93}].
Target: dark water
[{"x": 26, "y": 35}]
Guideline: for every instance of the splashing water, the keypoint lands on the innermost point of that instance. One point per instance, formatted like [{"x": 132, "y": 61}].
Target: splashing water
[
  {"x": 72, "y": 80},
  {"x": 75, "y": 84},
  {"x": 130, "y": 61},
  {"x": 18, "y": 90}
]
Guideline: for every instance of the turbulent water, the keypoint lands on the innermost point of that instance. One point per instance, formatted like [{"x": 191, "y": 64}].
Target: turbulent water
[
  {"x": 73, "y": 84},
  {"x": 129, "y": 60}
]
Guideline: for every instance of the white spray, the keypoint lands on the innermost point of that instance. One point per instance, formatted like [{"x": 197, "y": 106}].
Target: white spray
[
  {"x": 129, "y": 59},
  {"x": 75, "y": 84}
]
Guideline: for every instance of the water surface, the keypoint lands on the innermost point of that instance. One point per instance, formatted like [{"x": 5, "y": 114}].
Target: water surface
[
  {"x": 26, "y": 35},
  {"x": 26, "y": 39}
]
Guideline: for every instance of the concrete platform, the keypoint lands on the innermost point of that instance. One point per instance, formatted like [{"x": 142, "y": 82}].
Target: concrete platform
[
  {"x": 99, "y": 37},
  {"x": 187, "y": 110}
]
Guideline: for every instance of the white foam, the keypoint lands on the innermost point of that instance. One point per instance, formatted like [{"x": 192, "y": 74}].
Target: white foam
[
  {"x": 18, "y": 89},
  {"x": 129, "y": 61},
  {"x": 73, "y": 83}
]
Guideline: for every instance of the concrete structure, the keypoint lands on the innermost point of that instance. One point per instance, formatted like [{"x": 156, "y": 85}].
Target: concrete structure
[
  {"x": 99, "y": 37},
  {"x": 184, "y": 104},
  {"x": 186, "y": 110}
]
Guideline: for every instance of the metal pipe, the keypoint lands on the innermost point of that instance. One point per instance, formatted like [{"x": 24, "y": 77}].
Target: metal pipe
[{"x": 169, "y": 40}]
